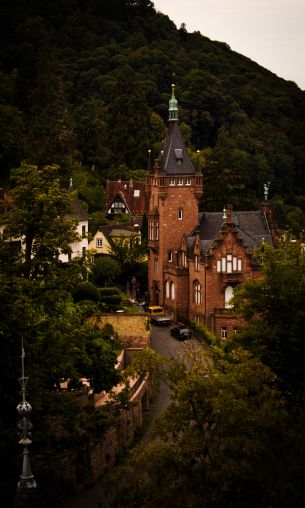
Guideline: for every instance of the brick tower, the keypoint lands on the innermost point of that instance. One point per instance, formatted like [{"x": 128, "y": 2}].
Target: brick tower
[{"x": 174, "y": 188}]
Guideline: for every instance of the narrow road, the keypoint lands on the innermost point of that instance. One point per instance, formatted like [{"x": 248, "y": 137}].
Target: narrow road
[{"x": 169, "y": 347}]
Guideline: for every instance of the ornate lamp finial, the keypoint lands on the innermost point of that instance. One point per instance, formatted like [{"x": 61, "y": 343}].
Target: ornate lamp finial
[
  {"x": 27, "y": 483},
  {"x": 266, "y": 190}
]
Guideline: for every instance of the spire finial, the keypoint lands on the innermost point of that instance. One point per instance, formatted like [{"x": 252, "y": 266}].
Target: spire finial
[
  {"x": 27, "y": 483},
  {"x": 173, "y": 107}
]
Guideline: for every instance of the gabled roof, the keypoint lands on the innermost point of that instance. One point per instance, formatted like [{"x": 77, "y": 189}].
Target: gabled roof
[
  {"x": 131, "y": 193},
  {"x": 251, "y": 227},
  {"x": 112, "y": 231}
]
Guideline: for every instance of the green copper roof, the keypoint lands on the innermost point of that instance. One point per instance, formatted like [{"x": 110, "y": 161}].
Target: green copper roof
[{"x": 173, "y": 107}]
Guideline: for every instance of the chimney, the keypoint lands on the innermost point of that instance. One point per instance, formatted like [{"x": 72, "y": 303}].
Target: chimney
[{"x": 229, "y": 215}]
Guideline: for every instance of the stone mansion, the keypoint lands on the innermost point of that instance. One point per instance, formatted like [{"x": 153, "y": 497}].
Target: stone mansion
[{"x": 197, "y": 259}]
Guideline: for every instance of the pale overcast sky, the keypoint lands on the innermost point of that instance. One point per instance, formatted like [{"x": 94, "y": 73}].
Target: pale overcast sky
[{"x": 270, "y": 32}]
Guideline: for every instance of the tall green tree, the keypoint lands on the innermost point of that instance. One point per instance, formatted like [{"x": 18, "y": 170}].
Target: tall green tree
[
  {"x": 129, "y": 124},
  {"x": 39, "y": 216},
  {"x": 273, "y": 309},
  {"x": 225, "y": 440}
]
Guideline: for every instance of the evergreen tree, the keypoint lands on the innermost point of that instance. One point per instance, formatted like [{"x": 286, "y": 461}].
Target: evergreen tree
[{"x": 129, "y": 124}]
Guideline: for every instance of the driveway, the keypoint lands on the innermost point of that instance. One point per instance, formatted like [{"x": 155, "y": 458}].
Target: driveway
[{"x": 169, "y": 347}]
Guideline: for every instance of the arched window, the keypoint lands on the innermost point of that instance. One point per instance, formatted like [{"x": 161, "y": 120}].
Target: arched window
[
  {"x": 167, "y": 289},
  {"x": 197, "y": 292},
  {"x": 228, "y": 297},
  {"x": 172, "y": 291}
]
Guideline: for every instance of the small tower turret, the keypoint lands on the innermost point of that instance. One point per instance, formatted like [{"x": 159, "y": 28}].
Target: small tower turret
[{"x": 173, "y": 107}]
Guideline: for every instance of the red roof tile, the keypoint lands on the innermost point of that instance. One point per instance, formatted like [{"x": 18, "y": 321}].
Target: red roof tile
[{"x": 132, "y": 193}]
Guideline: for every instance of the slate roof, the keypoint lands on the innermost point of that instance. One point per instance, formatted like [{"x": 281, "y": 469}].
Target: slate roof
[
  {"x": 168, "y": 160},
  {"x": 132, "y": 193},
  {"x": 250, "y": 226}
]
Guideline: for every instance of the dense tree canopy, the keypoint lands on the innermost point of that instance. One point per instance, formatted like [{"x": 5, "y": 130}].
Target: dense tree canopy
[
  {"x": 278, "y": 301},
  {"x": 36, "y": 307},
  {"x": 227, "y": 439}
]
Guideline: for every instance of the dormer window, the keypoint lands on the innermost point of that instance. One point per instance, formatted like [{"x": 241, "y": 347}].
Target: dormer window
[{"x": 178, "y": 154}]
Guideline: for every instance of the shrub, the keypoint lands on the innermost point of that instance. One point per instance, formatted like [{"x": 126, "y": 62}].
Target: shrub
[
  {"x": 203, "y": 333},
  {"x": 85, "y": 291},
  {"x": 105, "y": 270},
  {"x": 108, "y": 291},
  {"x": 111, "y": 301},
  {"x": 87, "y": 307}
]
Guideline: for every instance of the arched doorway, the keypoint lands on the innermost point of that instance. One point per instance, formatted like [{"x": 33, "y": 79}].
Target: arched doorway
[{"x": 229, "y": 292}]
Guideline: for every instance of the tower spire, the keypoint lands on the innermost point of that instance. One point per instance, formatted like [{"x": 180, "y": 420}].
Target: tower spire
[
  {"x": 173, "y": 107},
  {"x": 26, "y": 487}
]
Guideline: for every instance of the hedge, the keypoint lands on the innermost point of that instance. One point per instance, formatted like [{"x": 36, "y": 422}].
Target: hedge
[{"x": 203, "y": 333}]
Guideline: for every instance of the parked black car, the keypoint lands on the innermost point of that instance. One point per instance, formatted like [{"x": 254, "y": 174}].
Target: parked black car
[{"x": 181, "y": 333}]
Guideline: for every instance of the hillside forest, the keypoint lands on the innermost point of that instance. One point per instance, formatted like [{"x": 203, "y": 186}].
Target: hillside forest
[{"x": 85, "y": 85}]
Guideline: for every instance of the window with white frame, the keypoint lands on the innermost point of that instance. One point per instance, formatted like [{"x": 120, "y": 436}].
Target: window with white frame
[
  {"x": 229, "y": 264},
  {"x": 172, "y": 182},
  {"x": 151, "y": 230},
  {"x": 99, "y": 242},
  {"x": 172, "y": 291},
  {"x": 180, "y": 214},
  {"x": 223, "y": 332},
  {"x": 170, "y": 256},
  {"x": 136, "y": 193},
  {"x": 167, "y": 289},
  {"x": 183, "y": 258},
  {"x": 156, "y": 265},
  {"x": 196, "y": 263},
  {"x": 157, "y": 230},
  {"x": 197, "y": 292},
  {"x": 188, "y": 181},
  {"x": 180, "y": 181}
]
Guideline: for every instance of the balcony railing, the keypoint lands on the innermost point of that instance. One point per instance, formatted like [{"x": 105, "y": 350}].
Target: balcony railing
[{"x": 233, "y": 277}]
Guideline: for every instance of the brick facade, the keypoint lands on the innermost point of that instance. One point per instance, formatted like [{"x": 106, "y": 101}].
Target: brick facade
[{"x": 197, "y": 260}]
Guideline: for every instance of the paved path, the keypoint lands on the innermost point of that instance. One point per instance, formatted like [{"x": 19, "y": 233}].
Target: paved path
[{"x": 169, "y": 347}]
